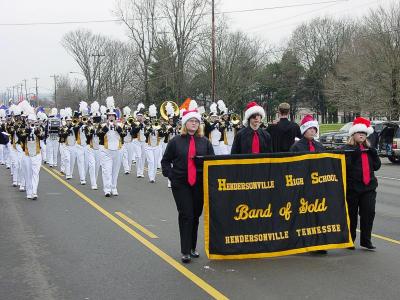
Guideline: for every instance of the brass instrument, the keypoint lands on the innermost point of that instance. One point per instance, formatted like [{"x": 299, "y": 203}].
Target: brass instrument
[
  {"x": 235, "y": 119},
  {"x": 205, "y": 116},
  {"x": 75, "y": 122},
  {"x": 84, "y": 120},
  {"x": 163, "y": 110},
  {"x": 130, "y": 120}
]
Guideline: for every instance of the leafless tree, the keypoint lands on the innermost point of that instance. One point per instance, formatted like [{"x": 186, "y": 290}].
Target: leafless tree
[
  {"x": 185, "y": 19},
  {"x": 84, "y": 46},
  {"x": 140, "y": 17}
]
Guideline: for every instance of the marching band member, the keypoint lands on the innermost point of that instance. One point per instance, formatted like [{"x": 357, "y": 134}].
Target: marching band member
[
  {"x": 29, "y": 139},
  {"x": 212, "y": 129},
  {"x": 252, "y": 139},
  {"x": 127, "y": 147},
  {"x": 111, "y": 139},
  {"x": 71, "y": 136},
  {"x": 81, "y": 145},
  {"x": 63, "y": 138},
  {"x": 42, "y": 119},
  {"x": 2, "y": 130},
  {"x": 139, "y": 141},
  {"x": 153, "y": 134},
  {"x": 309, "y": 128},
  {"x": 12, "y": 128},
  {"x": 361, "y": 165},
  {"x": 94, "y": 144},
  {"x": 187, "y": 187},
  {"x": 52, "y": 142},
  {"x": 284, "y": 132},
  {"x": 171, "y": 130}
]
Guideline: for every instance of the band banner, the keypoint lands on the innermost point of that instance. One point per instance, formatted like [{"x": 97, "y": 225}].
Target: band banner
[{"x": 273, "y": 206}]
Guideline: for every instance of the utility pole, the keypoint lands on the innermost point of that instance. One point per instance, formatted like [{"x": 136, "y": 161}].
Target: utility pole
[
  {"x": 22, "y": 93},
  {"x": 36, "y": 87},
  {"x": 55, "y": 89},
  {"x": 212, "y": 52},
  {"x": 98, "y": 55},
  {"x": 26, "y": 92}
]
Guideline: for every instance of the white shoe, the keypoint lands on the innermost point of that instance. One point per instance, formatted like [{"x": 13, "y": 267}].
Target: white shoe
[
  {"x": 68, "y": 177},
  {"x": 15, "y": 184},
  {"x": 34, "y": 197},
  {"x": 94, "y": 187},
  {"x": 83, "y": 182},
  {"x": 21, "y": 189},
  {"x": 169, "y": 184},
  {"x": 29, "y": 197},
  {"x": 140, "y": 176},
  {"x": 114, "y": 192}
]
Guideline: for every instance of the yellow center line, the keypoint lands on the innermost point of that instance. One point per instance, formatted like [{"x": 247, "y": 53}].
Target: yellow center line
[
  {"x": 168, "y": 259},
  {"x": 384, "y": 238},
  {"x": 137, "y": 225}
]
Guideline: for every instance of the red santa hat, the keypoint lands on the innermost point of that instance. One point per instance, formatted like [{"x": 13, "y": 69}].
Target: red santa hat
[
  {"x": 361, "y": 125},
  {"x": 189, "y": 114},
  {"x": 252, "y": 108},
  {"x": 307, "y": 123}
]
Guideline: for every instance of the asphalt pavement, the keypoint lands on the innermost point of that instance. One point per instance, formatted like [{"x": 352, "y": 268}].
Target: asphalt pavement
[{"x": 73, "y": 243}]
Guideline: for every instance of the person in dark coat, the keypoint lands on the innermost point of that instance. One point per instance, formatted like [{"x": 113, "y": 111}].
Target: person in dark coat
[
  {"x": 307, "y": 143},
  {"x": 309, "y": 128},
  {"x": 361, "y": 163},
  {"x": 187, "y": 179},
  {"x": 284, "y": 132},
  {"x": 252, "y": 139},
  {"x": 4, "y": 139}
]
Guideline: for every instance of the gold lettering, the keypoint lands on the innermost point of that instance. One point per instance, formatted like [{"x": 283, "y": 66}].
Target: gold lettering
[
  {"x": 316, "y": 207},
  {"x": 221, "y": 184},
  {"x": 292, "y": 181},
  {"x": 286, "y": 211},
  {"x": 243, "y": 212},
  {"x": 316, "y": 179}
]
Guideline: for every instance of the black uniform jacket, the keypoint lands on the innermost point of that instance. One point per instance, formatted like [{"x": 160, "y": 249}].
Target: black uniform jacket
[
  {"x": 242, "y": 144},
  {"x": 174, "y": 162},
  {"x": 283, "y": 134},
  {"x": 354, "y": 169},
  {"x": 302, "y": 145}
]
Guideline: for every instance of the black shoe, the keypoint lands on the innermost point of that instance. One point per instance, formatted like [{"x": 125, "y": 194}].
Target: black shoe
[
  {"x": 369, "y": 246},
  {"x": 186, "y": 259},
  {"x": 351, "y": 248},
  {"x": 194, "y": 253},
  {"x": 107, "y": 194}
]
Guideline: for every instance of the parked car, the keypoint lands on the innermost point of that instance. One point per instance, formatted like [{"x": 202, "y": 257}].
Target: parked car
[
  {"x": 340, "y": 139},
  {"x": 327, "y": 138},
  {"x": 389, "y": 141}
]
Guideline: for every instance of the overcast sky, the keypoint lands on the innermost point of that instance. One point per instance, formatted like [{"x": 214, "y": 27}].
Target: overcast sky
[{"x": 35, "y": 51}]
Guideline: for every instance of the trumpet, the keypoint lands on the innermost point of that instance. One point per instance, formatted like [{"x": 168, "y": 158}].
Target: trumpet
[
  {"x": 84, "y": 120},
  {"x": 75, "y": 122}
]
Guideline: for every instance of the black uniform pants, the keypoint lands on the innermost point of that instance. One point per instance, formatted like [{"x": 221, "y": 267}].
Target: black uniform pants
[
  {"x": 189, "y": 202},
  {"x": 362, "y": 204}
]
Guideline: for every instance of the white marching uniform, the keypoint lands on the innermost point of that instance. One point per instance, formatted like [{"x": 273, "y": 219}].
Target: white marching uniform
[
  {"x": 228, "y": 136},
  {"x": 110, "y": 158},
  {"x": 127, "y": 152},
  {"x": 153, "y": 152},
  {"x": 81, "y": 154},
  {"x": 52, "y": 145},
  {"x": 139, "y": 151},
  {"x": 75, "y": 152},
  {"x": 93, "y": 157},
  {"x": 215, "y": 136},
  {"x": 31, "y": 162}
]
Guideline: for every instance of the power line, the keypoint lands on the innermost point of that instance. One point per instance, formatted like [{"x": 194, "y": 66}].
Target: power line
[{"x": 165, "y": 17}]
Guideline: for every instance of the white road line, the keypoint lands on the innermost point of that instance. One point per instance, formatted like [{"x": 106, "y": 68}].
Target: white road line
[{"x": 391, "y": 178}]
